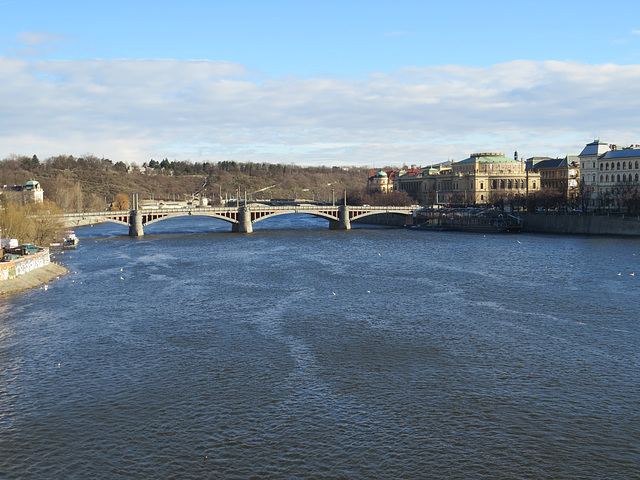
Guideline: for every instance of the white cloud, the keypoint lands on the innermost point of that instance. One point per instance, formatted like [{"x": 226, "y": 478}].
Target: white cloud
[
  {"x": 133, "y": 110},
  {"x": 635, "y": 32},
  {"x": 38, "y": 38},
  {"x": 37, "y": 43}
]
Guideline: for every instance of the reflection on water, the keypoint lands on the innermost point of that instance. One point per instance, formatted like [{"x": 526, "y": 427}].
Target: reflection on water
[{"x": 309, "y": 353}]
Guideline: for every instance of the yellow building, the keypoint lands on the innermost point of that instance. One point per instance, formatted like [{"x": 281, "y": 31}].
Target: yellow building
[
  {"x": 30, "y": 193},
  {"x": 33, "y": 192},
  {"x": 485, "y": 178},
  {"x": 558, "y": 175},
  {"x": 379, "y": 183}
]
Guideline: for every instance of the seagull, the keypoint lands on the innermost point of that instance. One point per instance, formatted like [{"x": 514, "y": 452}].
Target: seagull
[
  {"x": 121, "y": 278},
  {"x": 333, "y": 293},
  {"x": 519, "y": 242},
  {"x": 633, "y": 274},
  {"x": 619, "y": 274}
]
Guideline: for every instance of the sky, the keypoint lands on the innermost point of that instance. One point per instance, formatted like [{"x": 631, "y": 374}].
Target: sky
[{"x": 335, "y": 83}]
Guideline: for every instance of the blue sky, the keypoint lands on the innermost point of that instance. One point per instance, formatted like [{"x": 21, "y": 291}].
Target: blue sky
[{"x": 316, "y": 82}]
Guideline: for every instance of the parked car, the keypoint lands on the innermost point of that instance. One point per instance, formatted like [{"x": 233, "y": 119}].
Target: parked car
[{"x": 28, "y": 249}]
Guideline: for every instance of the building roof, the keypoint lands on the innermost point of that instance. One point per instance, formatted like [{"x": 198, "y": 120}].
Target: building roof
[
  {"x": 594, "y": 148},
  {"x": 625, "y": 153},
  {"x": 487, "y": 158}
]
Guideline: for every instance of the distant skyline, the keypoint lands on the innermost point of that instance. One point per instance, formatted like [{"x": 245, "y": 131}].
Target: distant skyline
[{"x": 316, "y": 82}]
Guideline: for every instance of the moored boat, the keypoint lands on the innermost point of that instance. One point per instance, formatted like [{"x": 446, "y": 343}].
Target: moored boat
[
  {"x": 70, "y": 240},
  {"x": 467, "y": 220}
]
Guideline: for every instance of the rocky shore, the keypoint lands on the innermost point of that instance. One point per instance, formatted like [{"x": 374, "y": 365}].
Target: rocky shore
[{"x": 32, "y": 279}]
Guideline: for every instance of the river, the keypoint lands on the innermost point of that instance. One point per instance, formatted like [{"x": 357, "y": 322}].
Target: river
[{"x": 300, "y": 352}]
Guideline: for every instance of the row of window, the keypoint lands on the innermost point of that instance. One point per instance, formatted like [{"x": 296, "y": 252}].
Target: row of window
[
  {"x": 616, "y": 166},
  {"x": 617, "y": 178},
  {"x": 509, "y": 184}
]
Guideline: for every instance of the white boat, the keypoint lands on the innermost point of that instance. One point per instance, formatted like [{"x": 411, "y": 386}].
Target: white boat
[{"x": 70, "y": 240}]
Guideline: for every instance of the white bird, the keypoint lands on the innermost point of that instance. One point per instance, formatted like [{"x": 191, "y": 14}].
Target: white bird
[
  {"x": 333, "y": 293},
  {"x": 519, "y": 242},
  {"x": 619, "y": 274},
  {"x": 121, "y": 269},
  {"x": 633, "y": 274},
  {"x": 121, "y": 278}
]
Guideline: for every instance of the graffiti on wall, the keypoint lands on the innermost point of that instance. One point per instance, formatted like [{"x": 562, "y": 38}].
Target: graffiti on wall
[{"x": 23, "y": 265}]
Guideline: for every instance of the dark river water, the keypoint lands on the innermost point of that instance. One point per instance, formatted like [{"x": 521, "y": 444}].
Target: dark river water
[{"x": 297, "y": 352}]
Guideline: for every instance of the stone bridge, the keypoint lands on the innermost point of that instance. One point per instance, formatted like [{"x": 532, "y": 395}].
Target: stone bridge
[{"x": 241, "y": 218}]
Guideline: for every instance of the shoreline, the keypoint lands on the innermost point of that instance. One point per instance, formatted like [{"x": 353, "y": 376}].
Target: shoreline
[{"x": 32, "y": 279}]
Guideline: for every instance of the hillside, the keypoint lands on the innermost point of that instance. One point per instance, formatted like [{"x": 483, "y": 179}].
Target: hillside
[{"x": 89, "y": 183}]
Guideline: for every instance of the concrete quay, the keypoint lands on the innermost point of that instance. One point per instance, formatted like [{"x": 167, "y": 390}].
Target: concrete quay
[{"x": 581, "y": 224}]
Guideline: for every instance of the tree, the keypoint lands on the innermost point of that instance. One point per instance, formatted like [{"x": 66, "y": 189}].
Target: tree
[
  {"x": 120, "y": 202},
  {"x": 44, "y": 224},
  {"x": 32, "y": 223}
]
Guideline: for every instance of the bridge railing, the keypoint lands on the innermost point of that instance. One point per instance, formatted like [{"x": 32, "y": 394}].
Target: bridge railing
[{"x": 252, "y": 207}]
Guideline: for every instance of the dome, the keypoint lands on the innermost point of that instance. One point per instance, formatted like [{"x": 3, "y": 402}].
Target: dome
[
  {"x": 32, "y": 184},
  {"x": 380, "y": 174}
]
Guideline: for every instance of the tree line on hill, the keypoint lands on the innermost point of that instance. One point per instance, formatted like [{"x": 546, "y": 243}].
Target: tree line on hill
[{"x": 89, "y": 183}]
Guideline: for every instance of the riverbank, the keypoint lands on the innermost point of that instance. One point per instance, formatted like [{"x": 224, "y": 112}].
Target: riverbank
[
  {"x": 32, "y": 279},
  {"x": 581, "y": 224}
]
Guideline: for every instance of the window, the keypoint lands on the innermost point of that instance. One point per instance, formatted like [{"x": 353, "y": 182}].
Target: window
[
  {"x": 534, "y": 185},
  {"x": 636, "y": 177},
  {"x": 618, "y": 167},
  {"x": 502, "y": 184},
  {"x": 481, "y": 185},
  {"x": 618, "y": 179},
  {"x": 509, "y": 184},
  {"x": 624, "y": 178},
  {"x": 606, "y": 179},
  {"x": 494, "y": 184},
  {"x": 624, "y": 165},
  {"x": 601, "y": 179},
  {"x": 606, "y": 166}
]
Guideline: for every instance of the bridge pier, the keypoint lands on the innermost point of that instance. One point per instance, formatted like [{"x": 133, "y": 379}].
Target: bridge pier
[
  {"x": 343, "y": 223},
  {"x": 135, "y": 224},
  {"x": 244, "y": 224}
]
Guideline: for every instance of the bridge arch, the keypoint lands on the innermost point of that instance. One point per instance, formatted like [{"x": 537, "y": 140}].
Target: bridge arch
[
  {"x": 241, "y": 218},
  {"x": 190, "y": 214},
  {"x": 276, "y": 213}
]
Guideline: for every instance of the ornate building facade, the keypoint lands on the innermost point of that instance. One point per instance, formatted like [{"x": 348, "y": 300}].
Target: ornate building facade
[
  {"x": 610, "y": 174},
  {"x": 31, "y": 192},
  {"x": 481, "y": 179}
]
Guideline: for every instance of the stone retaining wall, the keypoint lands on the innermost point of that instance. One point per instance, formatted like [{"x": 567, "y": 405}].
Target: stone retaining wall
[
  {"x": 581, "y": 224},
  {"x": 15, "y": 268}
]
